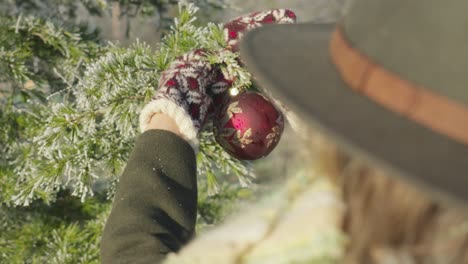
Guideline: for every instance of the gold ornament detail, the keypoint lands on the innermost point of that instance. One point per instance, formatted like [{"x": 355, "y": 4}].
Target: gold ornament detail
[
  {"x": 232, "y": 109},
  {"x": 273, "y": 136},
  {"x": 243, "y": 140}
]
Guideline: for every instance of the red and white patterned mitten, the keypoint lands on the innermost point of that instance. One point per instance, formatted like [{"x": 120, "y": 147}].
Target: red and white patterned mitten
[
  {"x": 182, "y": 95},
  {"x": 235, "y": 29},
  {"x": 190, "y": 84}
]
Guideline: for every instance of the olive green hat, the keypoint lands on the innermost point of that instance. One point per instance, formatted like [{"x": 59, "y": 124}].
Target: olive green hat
[{"x": 389, "y": 82}]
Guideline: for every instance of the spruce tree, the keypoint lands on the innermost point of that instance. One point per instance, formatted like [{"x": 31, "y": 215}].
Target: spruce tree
[{"x": 69, "y": 102}]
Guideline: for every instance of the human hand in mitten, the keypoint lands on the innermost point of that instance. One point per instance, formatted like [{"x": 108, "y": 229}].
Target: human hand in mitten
[
  {"x": 234, "y": 30},
  {"x": 187, "y": 88},
  {"x": 182, "y": 96}
]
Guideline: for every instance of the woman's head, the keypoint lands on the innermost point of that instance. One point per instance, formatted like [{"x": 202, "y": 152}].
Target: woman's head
[
  {"x": 388, "y": 220},
  {"x": 381, "y": 88},
  {"x": 385, "y": 84}
]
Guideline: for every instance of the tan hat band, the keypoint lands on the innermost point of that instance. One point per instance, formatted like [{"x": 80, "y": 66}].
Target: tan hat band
[{"x": 417, "y": 103}]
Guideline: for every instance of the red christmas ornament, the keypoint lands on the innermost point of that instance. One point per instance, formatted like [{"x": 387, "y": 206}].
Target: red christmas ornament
[{"x": 248, "y": 126}]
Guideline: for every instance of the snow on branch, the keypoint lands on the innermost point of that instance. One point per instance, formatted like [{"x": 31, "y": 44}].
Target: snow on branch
[{"x": 86, "y": 130}]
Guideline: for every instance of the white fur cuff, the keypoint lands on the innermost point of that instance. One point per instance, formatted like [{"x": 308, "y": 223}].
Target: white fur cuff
[{"x": 177, "y": 113}]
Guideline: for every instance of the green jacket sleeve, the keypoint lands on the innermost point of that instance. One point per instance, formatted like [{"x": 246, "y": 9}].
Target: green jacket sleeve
[{"x": 154, "y": 209}]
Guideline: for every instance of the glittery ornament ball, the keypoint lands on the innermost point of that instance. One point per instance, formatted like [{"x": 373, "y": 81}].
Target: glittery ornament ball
[{"x": 248, "y": 126}]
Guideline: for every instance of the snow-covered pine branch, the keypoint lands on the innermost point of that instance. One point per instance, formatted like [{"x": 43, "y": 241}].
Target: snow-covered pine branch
[{"x": 88, "y": 134}]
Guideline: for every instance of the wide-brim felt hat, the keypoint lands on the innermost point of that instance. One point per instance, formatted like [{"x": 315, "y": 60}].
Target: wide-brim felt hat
[{"x": 388, "y": 82}]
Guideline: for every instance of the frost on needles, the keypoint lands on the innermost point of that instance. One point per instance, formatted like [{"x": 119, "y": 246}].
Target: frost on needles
[{"x": 72, "y": 135}]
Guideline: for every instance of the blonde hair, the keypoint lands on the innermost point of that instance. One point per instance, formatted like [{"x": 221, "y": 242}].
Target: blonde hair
[{"x": 387, "y": 220}]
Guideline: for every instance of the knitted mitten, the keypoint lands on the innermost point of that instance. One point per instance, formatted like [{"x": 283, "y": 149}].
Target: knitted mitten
[
  {"x": 187, "y": 88},
  {"x": 234, "y": 30},
  {"x": 182, "y": 95}
]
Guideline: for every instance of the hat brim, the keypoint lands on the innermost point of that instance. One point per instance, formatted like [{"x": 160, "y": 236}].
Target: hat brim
[{"x": 293, "y": 63}]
